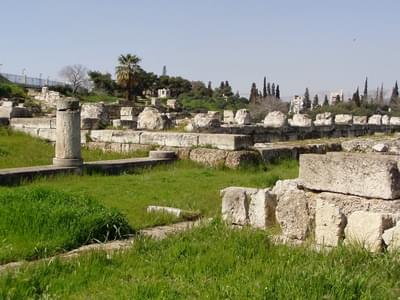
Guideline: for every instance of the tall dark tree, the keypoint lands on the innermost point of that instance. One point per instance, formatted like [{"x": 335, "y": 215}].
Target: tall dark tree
[
  {"x": 365, "y": 95},
  {"x": 278, "y": 92},
  {"x": 377, "y": 95},
  {"x": 164, "y": 71},
  {"x": 326, "y": 101},
  {"x": 265, "y": 87},
  {"x": 315, "y": 102},
  {"x": 253, "y": 93},
  {"x": 307, "y": 100},
  {"x": 395, "y": 94},
  {"x": 209, "y": 89},
  {"x": 227, "y": 83},
  {"x": 273, "y": 92},
  {"x": 356, "y": 98},
  {"x": 222, "y": 85},
  {"x": 381, "y": 94},
  {"x": 269, "y": 89}
]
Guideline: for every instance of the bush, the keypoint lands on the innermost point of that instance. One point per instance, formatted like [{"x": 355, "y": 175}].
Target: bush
[{"x": 36, "y": 222}]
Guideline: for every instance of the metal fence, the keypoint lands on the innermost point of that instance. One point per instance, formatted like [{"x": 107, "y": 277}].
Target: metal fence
[{"x": 31, "y": 81}]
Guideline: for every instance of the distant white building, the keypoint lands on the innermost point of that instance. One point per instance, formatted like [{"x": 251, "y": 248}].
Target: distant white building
[
  {"x": 297, "y": 104},
  {"x": 163, "y": 93},
  {"x": 334, "y": 96}
]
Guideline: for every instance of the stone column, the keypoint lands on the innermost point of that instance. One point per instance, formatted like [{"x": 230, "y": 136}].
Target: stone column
[{"x": 68, "y": 134}]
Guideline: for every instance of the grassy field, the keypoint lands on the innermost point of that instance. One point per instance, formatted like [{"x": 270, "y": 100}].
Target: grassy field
[
  {"x": 20, "y": 150},
  {"x": 213, "y": 262},
  {"x": 183, "y": 184},
  {"x": 37, "y": 222}
]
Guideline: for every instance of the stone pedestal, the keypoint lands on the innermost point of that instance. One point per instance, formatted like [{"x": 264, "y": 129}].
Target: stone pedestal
[{"x": 68, "y": 134}]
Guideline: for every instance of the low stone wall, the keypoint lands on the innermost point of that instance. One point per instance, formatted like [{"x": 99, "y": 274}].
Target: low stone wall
[{"x": 263, "y": 134}]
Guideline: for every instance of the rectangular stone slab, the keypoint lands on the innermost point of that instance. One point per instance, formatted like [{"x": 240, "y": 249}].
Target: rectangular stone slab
[{"x": 366, "y": 175}]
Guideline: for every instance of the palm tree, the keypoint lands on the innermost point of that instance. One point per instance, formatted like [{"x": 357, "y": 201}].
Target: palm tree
[{"x": 127, "y": 67}]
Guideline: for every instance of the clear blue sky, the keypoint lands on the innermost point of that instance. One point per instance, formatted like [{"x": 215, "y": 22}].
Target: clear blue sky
[{"x": 324, "y": 45}]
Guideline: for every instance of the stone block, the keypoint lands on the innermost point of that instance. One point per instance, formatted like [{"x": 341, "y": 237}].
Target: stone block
[
  {"x": 343, "y": 119},
  {"x": 360, "y": 120},
  {"x": 153, "y": 138},
  {"x": 366, "y": 228},
  {"x": 47, "y": 134},
  {"x": 391, "y": 238},
  {"x": 375, "y": 120},
  {"x": 209, "y": 157},
  {"x": 248, "y": 206},
  {"x": 275, "y": 119},
  {"x": 385, "y": 120},
  {"x": 90, "y": 123},
  {"x": 33, "y": 122},
  {"x": 323, "y": 119},
  {"x": 395, "y": 121},
  {"x": 329, "y": 224},
  {"x": 366, "y": 175},
  {"x": 225, "y": 141},
  {"x": 242, "y": 117},
  {"x": 229, "y": 117},
  {"x": 181, "y": 140},
  {"x": 300, "y": 120},
  {"x": 236, "y": 159}
]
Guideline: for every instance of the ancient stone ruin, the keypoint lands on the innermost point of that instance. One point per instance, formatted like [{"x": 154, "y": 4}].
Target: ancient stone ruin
[{"x": 348, "y": 198}]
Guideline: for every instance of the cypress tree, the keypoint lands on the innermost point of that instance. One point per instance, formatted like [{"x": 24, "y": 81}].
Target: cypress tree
[
  {"x": 222, "y": 85},
  {"x": 395, "y": 94},
  {"x": 227, "y": 83},
  {"x": 315, "y": 101},
  {"x": 278, "y": 92},
  {"x": 356, "y": 98},
  {"x": 273, "y": 89},
  {"x": 326, "y": 101},
  {"x": 253, "y": 93},
  {"x": 164, "y": 71},
  {"x": 265, "y": 87},
  {"x": 209, "y": 89},
  {"x": 365, "y": 96},
  {"x": 307, "y": 100},
  {"x": 381, "y": 94},
  {"x": 269, "y": 89}
]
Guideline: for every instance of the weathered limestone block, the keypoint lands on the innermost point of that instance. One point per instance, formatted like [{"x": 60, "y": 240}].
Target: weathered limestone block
[
  {"x": 391, "y": 238},
  {"x": 359, "y": 145},
  {"x": 225, "y": 141},
  {"x": 329, "y": 224},
  {"x": 209, "y": 157},
  {"x": 204, "y": 121},
  {"x": 360, "y": 120},
  {"x": 323, "y": 119},
  {"x": 33, "y": 122},
  {"x": 295, "y": 211},
  {"x": 375, "y": 120},
  {"x": 366, "y": 229},
  {"x": 380, "y": 147},
  {"x": 48, "y": 134},
  {"x": 115, "y": 136},
  {"x": 300, "y": 120},
  {"x": 172, "y": 103},
  {"x": 285, "y": 186},
  {"x": 242, "y": 117},
  {"x": 248, "y": 206},
  {"x": 90, "y": 124},
  {"x": 94, "y": 111},
  {"x": 385, "y": 120},
  {"x": 275, "y": 119},
  {"x": 351, "y": 173},
  {"x": 127, "y": 113},
  {"x": 181, "y": 153},
  {"x": 343, "y": 119},
  {"x": 162, "y": 154},
  {"x": 151, "y": 119},
  {"x": 395, "y": 121},
  {"x": 236, "y": 159},
  {"x": 229, "y": 117},
  {"x": 214, "y": 114}
]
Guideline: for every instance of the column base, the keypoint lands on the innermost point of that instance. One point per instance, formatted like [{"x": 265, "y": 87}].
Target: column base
[{"x": 67, "y": 162}]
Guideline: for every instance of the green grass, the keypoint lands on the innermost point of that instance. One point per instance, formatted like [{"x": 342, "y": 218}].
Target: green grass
[
  {"x": 183, "y": 184},
  {"x": 20, "y": 150},
  {"x": 37, "y": 222},
  {"x": 212, "y": 262}
]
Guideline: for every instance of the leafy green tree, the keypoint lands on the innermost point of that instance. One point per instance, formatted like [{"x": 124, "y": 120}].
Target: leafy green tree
[
  {"x": 127, "y": 68},
  {"x": 103, "y": 82}
]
